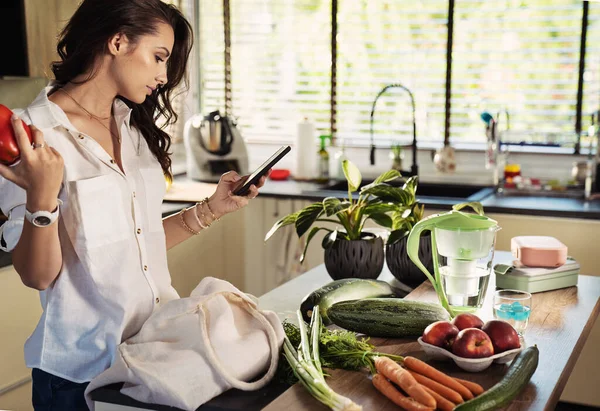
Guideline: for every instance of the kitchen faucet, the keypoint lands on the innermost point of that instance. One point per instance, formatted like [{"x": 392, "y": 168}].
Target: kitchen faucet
[{"x": 414, "y": 170}]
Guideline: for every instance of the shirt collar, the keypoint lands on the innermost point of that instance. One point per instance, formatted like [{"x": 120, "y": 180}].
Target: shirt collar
[{"x": 46, "y": 114}]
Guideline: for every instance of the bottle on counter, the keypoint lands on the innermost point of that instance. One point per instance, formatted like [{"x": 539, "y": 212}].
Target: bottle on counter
[
  {"x": 306, "y": 160},
  {"x": 323, "y": 156}
]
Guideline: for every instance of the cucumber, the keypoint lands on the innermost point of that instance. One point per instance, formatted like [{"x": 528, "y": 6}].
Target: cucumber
[
  {"x": 342, "y": 290},
  {"x": 513, "y": 382},
  {"x": 386, "y": 317}
]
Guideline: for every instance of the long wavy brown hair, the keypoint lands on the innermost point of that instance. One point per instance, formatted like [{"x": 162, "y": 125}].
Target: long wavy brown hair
[{"x": 86, "y": 36}]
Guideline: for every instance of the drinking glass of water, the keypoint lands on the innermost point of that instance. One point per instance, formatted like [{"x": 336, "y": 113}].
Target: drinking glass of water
[{"x": 514, "y": 307}]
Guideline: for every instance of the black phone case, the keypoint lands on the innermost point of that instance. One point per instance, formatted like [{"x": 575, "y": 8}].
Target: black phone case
[{"x": 243, "y": 189}]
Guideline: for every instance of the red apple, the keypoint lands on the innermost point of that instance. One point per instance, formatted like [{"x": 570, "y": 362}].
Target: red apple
[
  {"x": 440, "y": 334},
  {"x": 504, "y": 337},
  {"x": 472, "y": 343},
  {"x": 467, "y": 320}
]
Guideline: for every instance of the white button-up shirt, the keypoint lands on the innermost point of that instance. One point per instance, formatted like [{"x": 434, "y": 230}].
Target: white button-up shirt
[{"x": 114, "y": 270}]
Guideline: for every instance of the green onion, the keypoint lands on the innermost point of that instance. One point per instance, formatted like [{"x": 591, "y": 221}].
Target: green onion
[{"x": 306, "y": 365}]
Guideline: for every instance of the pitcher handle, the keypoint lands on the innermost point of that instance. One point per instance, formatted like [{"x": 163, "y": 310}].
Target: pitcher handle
[
  {"x": 413, "y": 243},
  {"x": 412, "y": 249}
]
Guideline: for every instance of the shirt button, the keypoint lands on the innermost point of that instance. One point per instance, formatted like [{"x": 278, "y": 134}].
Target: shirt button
[
  {"x": 112, "y": 161},
  {"x": 157, "y": 300},
  {"x": 81, "y": 136},
  {"x": 139, "y": 231},
  {"x": 145, "y": 268},
  {"x": 134, "y": 194}
]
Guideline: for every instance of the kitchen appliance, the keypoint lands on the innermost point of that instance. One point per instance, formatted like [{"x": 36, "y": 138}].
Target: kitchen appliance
[
  {"x": 213, "y": 146},
  {"x": 213, "y": 143},
  {"x": 462, "y": 245}
]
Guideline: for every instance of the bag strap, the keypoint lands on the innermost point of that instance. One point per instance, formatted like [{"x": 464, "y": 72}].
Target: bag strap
[{"x": 271, "y": 336}]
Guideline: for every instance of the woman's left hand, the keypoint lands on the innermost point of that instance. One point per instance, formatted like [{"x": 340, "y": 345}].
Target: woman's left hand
[{"x": 223, "y": 201}]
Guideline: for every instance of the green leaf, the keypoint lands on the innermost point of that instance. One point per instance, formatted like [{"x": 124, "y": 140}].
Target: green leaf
[
  {"x": 397, "y": 235},
  {"x": 287, "y": 220},
  {"x": 383, "y": 220},
  {"x": 352, "y": 174},
  {"x": 307, "y": 216},
  {"x": 379, "y": 207},
  {"x": 475, "y": 205},
  {"x": 387, "y": 193},
  {"x": 311, "y": 234},
  {"x": 411, "y": 185},
  {"x": 329, "y": 239},
  {"x": 387, "y": 176},
  {"x": 398, "y": 221},
  {"x": 333, "y": 205}
]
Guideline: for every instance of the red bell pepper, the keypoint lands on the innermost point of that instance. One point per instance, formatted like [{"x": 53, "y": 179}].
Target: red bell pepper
[{"x": 9, "y": 149}]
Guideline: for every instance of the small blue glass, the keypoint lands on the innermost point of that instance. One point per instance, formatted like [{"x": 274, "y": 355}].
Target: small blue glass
[{"x": 514, "y": 307}]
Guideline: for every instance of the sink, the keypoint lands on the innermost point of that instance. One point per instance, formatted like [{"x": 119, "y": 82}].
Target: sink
[{"x": 460, "y": 192}]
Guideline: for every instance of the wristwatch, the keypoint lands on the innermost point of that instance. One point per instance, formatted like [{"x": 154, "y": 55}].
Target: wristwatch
[{"x": 43, "y": 218}]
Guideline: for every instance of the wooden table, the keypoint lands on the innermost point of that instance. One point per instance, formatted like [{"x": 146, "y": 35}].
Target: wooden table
[{"x": 560, "y": 323}]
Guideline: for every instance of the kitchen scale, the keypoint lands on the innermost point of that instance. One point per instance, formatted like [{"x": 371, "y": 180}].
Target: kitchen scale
[{"x": 213, "y": 142}]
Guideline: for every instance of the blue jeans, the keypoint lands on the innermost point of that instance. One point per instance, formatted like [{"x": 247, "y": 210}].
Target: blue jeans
[{"x": 52, "y": 393}]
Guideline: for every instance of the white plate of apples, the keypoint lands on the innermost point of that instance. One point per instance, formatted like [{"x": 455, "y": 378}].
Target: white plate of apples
[{"x": 472, "y": 344}]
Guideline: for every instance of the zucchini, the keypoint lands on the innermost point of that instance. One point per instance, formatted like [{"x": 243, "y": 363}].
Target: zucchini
[
  {"x": 342, "y": 290},
  {"x": 513, "y": 382},
  {"x": 386, "y": 317}
]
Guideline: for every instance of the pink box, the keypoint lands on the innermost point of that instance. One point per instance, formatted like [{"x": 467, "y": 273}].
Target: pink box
[{"x": 539, "y": 251}]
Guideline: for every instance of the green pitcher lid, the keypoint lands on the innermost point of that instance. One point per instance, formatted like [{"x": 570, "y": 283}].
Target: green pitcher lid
[{"x": 458, "y": 220}]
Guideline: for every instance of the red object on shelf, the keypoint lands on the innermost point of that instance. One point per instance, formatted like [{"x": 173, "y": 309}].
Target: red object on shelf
[{"x": 279, "y": 174}]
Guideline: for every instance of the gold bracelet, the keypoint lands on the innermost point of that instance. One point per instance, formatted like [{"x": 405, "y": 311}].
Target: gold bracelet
[
  {"x": 204, "y": 218},
  {"x": 209, "y": 209},
  {"x": 195, "y": 211},
  {"x": 184, "y": 224}
]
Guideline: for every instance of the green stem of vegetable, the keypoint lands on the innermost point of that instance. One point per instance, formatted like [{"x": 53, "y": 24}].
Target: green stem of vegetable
[
  {"x": 315, "y": 334},
  {"x": 304, "y": 343},
  {"x": 309, "y": 373}
]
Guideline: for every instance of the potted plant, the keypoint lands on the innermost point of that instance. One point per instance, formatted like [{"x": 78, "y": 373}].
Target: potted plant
[
  {"x": 405, "y": 215},
  {"x": 350, "y": 249}
]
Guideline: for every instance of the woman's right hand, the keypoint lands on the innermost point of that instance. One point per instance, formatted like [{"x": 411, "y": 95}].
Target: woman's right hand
[{"x": 40, "y": 171}]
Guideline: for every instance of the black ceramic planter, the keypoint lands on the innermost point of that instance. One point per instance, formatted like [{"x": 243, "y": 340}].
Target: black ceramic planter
[
  {"x": 402, "y": 267},
  {"x": 355, "y": 258}
]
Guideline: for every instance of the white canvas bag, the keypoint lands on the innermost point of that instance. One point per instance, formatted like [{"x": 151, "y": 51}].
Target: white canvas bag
[{"x": 192, "y": 349}]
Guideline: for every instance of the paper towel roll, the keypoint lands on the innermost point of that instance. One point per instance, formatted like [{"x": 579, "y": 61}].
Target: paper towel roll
[{"x": 305, "y": 151}]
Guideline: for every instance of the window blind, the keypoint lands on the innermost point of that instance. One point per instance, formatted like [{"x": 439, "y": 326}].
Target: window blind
[
  {"x": 385, "y": 42},
  {"x": 591, "y": 76},
  {"x": 280, "y": 58},
  {"x": 520, "y": 56}
]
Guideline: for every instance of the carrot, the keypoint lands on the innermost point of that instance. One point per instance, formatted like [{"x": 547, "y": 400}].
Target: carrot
[
  {"x": 442, "y": 390},
  {"x": 427, "y": 370},
  {"x": 442, "y": 403},
  {"x": 386, "y": 388},
  {"x": 475, "y": 388},
  {"x": 401, "y": 377}
]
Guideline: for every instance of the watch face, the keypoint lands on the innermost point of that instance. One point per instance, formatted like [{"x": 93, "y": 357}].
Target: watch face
[{"x": 42, "y": 220}]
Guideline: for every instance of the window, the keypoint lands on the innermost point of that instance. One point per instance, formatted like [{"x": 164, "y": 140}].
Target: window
[
  {"x": 387, "y": 42},
  {"x": 515, "y": 56},
  {"x": 519, "y": 56},
  {"x": 280, "y": 58}
]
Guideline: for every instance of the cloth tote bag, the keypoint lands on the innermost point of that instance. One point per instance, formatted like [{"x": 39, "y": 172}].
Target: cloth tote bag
[{"x": 192, "y": 349}]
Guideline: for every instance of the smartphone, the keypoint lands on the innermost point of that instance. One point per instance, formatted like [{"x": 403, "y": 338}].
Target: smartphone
[{"x": 253, "y": 178}]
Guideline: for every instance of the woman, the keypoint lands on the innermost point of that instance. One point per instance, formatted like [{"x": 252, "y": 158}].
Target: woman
[{"x": 98, "y": 160}]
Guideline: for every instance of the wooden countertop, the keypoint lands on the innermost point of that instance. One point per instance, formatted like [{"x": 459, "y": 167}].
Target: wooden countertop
[{"x": 560, "y": 323}]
